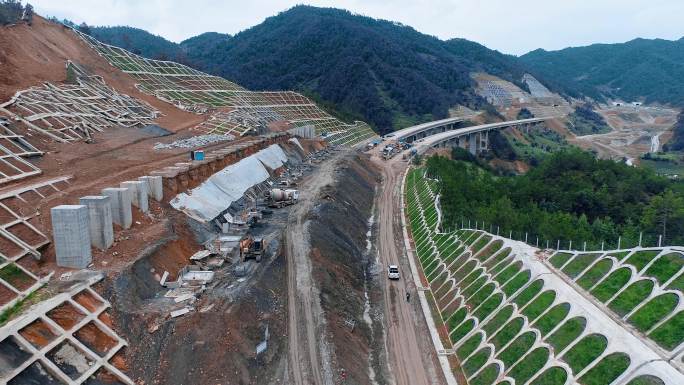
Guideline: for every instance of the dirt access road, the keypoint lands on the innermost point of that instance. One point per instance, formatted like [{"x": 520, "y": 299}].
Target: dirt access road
[
  {"x": 411, "y": 354},
  {"x": 309, "y": 358}
]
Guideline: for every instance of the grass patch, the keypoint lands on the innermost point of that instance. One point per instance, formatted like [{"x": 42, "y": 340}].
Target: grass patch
[
  {"x": 481, "y": 295},
  {"x": 528, "y": 293},
  {"x": 475, "y": 286},
  {"x": 516, "y": 283},
  {"x": 677, "y": 283},
  {"x": 539, "y": 305},
  {"x": 21, "y": 305},
  {"x": 578, "y": 264},
  {"x": 655, "y": 310},
  {"x": 641, "y": 258},
  {"x": 481, "y": 243},
  {"x": 508, "y": 272},
  {"x": 552, "y": 376},
  {"x": 498, "y": 258},
  {"x": 488, "y": 306},
  {"x": 615, "y": 281},
  {"x": 487, "y": 376},
  {"x": 585, "y": 351},
  {"x": 508, "y": 332},
  {"x": 462, "y": 330},
  {"x": 666, "y": 267},
  {"x": 593, "y": 275},
  {"x": 559, "y": 259},
  {"x": 607, "y": 370},
  {"x": 498, "y": 320},
  {"x": 517, "y": 348},
  {"x": 670, "y": 334},
  {"x": 552, "y": 318},
  {"x": 469, "y": 346},
  {"x": 490, "y": 250},
  {"x": 455, "y": 319},
  {"x": 500, "y": 266},
  {"x": 567, "y": 333},
  {"x": 476, "y": 361},
  {"x": 463, "y": 271},
  {"x": 529, "y": 366},
  {"x": 631, "y": 297}
]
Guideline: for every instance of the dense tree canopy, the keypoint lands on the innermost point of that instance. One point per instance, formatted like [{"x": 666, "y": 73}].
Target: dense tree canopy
[
  {"x": 379, "y": 71},
  {"x": 570, "y": 195}
]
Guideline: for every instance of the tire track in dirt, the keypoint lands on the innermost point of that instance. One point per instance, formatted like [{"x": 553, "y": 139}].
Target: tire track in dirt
[{"x": 411, "y": 360}]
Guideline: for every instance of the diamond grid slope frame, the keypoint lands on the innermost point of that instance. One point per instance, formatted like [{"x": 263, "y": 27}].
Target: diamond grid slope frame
[
  {"x": 234, "y": 110},
  {"x": 20, "y": 239},
  {"x": 475, "y": 279},
  {"x": 71, "y": 112},
  {"x": 67, "y": 336}
]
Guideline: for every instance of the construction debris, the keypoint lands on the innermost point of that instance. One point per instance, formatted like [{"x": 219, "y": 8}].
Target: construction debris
[{"x": 195, "y": 141}]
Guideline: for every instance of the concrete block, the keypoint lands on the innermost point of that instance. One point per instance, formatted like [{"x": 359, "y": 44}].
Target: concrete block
[
  {"x": 120, "y": 201},
  {"x": 154, "y": 186},
  {"x": 139, "y": 191},
  {"x": 100, "y": 219},
  {"x": 71, "y": 233}
]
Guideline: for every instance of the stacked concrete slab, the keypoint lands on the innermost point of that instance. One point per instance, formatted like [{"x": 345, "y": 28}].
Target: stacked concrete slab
[
  {"x": 100, "y": 217},
  {"x": 71, "y": 232}
]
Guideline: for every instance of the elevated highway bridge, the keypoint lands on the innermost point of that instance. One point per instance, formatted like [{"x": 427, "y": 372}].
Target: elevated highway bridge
[{"x": 474, "y": 138}]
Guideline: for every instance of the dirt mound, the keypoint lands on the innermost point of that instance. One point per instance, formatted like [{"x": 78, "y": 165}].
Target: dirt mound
[
  {"x": 33, "y": 54},
  {"x": 341, "y": 267}
]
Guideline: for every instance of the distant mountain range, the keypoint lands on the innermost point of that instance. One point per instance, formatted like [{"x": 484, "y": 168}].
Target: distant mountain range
[
  {"x": 641, "y": 69},
  {"x": 391, "y": 76},
  {"x": 382, "y": 72}
]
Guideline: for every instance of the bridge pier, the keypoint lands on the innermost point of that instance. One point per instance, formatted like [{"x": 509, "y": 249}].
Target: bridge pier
[{"x": 472, "y": 143}]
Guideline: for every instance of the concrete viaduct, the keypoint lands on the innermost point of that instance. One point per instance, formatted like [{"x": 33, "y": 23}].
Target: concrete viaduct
[
  {"x": 442, "y": 133},
  {"x": 420, "y": 131}
]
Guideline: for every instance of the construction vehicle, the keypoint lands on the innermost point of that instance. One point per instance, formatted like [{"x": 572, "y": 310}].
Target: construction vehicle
[
  {"x": 282, "y": 197},
  {"x": 252, "y": 247}
]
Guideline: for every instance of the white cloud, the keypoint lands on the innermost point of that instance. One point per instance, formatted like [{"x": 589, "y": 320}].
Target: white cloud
[{"x": 509, "y": 26}]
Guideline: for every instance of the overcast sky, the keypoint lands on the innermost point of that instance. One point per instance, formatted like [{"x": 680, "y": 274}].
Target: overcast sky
[{"x": 513, "y": 27}]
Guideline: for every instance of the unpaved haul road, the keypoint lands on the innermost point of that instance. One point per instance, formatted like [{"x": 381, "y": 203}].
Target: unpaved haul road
[
  {"x": 411, "y": 353},
  {"x": 308, "y": 358}
]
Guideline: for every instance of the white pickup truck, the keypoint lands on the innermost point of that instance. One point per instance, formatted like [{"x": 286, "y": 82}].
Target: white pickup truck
[{"x": 393, "y": 272}]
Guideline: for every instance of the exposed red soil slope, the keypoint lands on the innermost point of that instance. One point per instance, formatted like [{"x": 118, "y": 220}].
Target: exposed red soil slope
[{"x": 32, "y": 55}]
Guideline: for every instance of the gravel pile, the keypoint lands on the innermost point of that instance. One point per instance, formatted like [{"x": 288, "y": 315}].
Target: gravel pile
[{"x": 195, "y": 141}]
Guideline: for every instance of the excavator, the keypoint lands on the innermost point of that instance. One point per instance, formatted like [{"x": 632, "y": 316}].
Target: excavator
[{"x": 252, "y": 247}]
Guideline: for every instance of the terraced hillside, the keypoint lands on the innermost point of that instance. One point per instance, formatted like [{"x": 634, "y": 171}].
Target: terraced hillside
[
  {"x": 234, "y": 110},
  {"x": 518, "y": 315}
]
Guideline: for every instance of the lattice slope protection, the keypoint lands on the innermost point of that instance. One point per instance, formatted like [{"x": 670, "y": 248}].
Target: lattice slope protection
[
  {"x": 67, "y": 339},
  {"x": 72, "y": 112},
  {"x": 234, "y": 110},
  {"x": 514, "y": 316}
]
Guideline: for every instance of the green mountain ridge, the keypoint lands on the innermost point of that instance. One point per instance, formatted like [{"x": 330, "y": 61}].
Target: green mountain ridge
[
  {"x": 380, "y": 71},
  {"x": 651, "y": 70}
]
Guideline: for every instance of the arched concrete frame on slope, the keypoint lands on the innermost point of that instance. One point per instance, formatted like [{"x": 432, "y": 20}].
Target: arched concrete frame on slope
[
  {"x": 636, "y": 275},
  {"x": 476, "y": 138},
  {"x": 642, "y": 360}
]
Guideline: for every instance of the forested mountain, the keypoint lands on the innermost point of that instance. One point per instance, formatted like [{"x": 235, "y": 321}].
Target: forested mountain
[
  {"x": 380, "y": 71},
  {"x": 641, "y": 68},
  {"x": 137, "y": 41}
]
